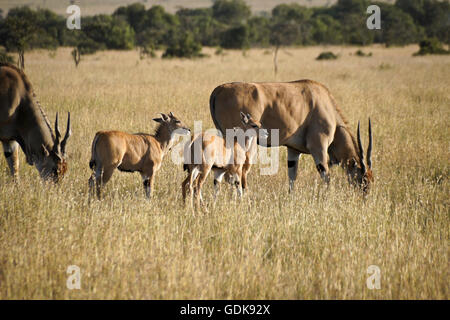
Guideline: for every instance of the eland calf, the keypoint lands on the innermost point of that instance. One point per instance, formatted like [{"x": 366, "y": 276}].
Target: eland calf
[
  {"x": 139, "y": 152},
  {"x": 223, "y": 159}
]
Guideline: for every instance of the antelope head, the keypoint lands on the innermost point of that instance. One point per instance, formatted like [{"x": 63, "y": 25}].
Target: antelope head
[
  {"x": 173, "y": 125},
  {"x": 250, "y": 123},
  {"x": 54, "y": 165},
  {"x": 362, "y": 174}
]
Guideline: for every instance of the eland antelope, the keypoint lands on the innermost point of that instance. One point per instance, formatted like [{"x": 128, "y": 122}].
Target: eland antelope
[
  {"x": 220, "y": 157},
  {"x": 139, "y": 152},
  {"x": 23, "y": 123},
  {"x": 308, "y": 119}
]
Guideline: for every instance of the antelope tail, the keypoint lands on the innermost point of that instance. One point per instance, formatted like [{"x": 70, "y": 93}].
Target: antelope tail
[
  {"x": 94, "y": 144},
  {"x": 212, "y": 108}
]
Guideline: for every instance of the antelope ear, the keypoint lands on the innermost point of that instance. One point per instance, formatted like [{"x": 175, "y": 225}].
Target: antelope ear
[
  {"x": 171, "y": 114},
  {"x": 249, "y": 116},
  {"x": 159, "y": 120},
  {"x": 244, "y": 118},
  {"x": 165, "y": 117}
]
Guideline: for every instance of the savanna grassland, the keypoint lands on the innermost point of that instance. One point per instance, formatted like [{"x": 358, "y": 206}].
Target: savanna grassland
[{"x": 313, "y": 244}]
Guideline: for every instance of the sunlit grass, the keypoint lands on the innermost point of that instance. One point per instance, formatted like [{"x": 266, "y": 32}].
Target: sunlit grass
[{"x": 315, "y": 243}]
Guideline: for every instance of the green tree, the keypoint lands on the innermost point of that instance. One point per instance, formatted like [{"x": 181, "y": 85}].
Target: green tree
[
  {"x": 202, "y": 25},
  {"x": 135, "y": 15},
  {"x": 259, "y": 31},
  {"x": 157, "y": 27},
  {"x": 231, "y": 12},
  {"x": 235, "y": 38},
  {"x": 326, "y": 30},
  {"x": 291, "y": 25},
  {"x": 397, "y": 27},
  {"x": 352, "y": 17},
  {"x": 183, "y": 45},
  {"x": 112, "y": 31},
  {"x": 433, "y": 15}
]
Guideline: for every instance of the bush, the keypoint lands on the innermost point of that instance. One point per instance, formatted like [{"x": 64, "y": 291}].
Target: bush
[
  {"x": 88, "y": 46},
  {"x": 360, "y": 53},
  {"x": 146, "y": 52},
  {"x": 5, "y": 57},
  {"x": 231, "y": 12},
  {"x": 431, "y": 46},
  {"x": 201, "y": 24},
  {"x": 183, "y": 46},
  {"x": 24, "y": 28},
  {"x": 219, "y": 51},
  {"x": 111, "y": 32},
  {"x": 235, "y": 38},
  {"x": 327, "y": 55},
  {"x": 397, "y": 27}
]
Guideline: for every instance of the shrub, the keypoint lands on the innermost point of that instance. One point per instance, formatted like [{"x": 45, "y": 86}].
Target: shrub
[
  {"x": 88, "y": 46},
  {"x": 360, "y": 53},
  {"x": 5, "y": 57},
  {"x": 231, "y": 12},
  {"x": 219, "y": 51},
  {"x": 146, "y": 52},
  {"x": 110, "y": 31},
  {"x": 183, "y": 46},
  {"x": 431, "y": 46},
  {"x": 327, "y": 55},
  {"x": 235, "y": 38}
]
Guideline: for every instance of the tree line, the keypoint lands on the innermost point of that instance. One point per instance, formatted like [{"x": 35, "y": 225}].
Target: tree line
[{"x": 227, "y": 24}]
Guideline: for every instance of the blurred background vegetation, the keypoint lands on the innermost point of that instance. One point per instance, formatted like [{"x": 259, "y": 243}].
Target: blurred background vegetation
[{"x": 227, "y": 24}]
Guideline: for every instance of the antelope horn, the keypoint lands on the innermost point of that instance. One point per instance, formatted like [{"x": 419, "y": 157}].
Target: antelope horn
[
  {"x": 361, "y": 152},
  {"x": 66, "y": 136},
  {"x": 57, "y": 135},
  {"x": 369, "y": 149}
]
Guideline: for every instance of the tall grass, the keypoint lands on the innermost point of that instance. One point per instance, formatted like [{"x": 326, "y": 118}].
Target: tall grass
[{"x": 315, "y": 243}]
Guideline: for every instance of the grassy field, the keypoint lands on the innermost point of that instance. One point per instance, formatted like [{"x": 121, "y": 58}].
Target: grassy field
[
  {"x": 314, "y": 244},
  {"x": 90, "y": 7}
]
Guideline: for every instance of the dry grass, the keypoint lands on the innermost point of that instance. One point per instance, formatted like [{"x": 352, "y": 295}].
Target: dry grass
[{"x": 314, "y": 244}]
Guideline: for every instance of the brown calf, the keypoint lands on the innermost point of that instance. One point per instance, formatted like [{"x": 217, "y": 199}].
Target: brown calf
[
  {"x": 139, "y": 152},
  {"x": 216, "y": 155}
]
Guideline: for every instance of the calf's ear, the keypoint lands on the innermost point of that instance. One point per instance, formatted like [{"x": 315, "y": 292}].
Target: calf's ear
[{"x": 244, "y": 118}]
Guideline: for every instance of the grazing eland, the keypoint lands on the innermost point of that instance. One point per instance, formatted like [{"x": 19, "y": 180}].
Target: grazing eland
[
  {"x": 219, "y": 156},
  {"x": 23, "y": 123},
  {"x": 139, "y": 152},
  {"x": 309, "y": 122}
]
